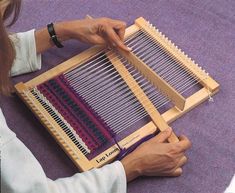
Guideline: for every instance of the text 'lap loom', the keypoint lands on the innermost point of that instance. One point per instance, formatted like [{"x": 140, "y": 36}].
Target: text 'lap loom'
[{"x": 103, "y": 103}]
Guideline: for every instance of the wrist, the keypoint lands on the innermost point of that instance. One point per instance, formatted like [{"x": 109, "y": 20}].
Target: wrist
[
  {"x": 62, "y": 31},
  {"x": 131, "y": 167},
  {"x": 70, "y": 29}
]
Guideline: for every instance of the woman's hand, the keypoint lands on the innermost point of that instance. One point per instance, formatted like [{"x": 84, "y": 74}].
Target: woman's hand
[
  {"x": 157, "y": 158},
  {"x": 102, "y": 31}
]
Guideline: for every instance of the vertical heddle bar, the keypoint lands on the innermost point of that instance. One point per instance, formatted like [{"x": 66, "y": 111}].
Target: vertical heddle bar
[
  {"x": 155, "y": 79},
  {"x": 141, "y": 96},
  {"x": 180, "y": 56}
]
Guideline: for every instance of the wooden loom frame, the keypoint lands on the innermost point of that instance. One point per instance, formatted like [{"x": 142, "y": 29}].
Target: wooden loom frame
[{"x": 209, "y": 88}]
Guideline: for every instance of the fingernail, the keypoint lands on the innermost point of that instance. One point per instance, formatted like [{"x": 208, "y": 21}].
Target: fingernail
[
  {"x": 130, "y": 49},
  {"x": 168, "y": 129}
]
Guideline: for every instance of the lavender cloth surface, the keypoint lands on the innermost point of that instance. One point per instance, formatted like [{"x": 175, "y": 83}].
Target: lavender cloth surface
[{"x": 205, "y": 30}]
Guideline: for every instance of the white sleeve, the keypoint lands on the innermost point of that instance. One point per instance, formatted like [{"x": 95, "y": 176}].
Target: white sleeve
[
  {"x": 231, "y": 187},
  {"x": 27, "y": 59},
  {"x": 108, "y": 179},
  {"x": 22, "y": 173}
]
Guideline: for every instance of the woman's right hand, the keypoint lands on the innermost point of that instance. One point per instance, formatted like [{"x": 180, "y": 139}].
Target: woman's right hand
[
  {"x": 156, "y": 157},
  {"x": 103, "y": 31}
]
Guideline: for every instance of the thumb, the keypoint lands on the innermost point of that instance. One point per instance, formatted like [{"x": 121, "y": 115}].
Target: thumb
[{"x": 163, "y": 136}]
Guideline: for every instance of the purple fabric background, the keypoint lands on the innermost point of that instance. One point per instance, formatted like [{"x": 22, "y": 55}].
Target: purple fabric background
[{"x": 203, "y": 29}]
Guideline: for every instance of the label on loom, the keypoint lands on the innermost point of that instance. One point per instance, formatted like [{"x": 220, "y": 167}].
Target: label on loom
[
  {"x": 107, "y": 155},
  {"x": 87, "y": 124},
  {"x": 116, "y": 150}
]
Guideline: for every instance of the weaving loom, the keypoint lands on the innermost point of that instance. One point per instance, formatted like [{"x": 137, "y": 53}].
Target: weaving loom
[{"x": 103, "y": 102}]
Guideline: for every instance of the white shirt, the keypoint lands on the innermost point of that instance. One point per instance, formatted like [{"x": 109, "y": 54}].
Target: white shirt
[
  {"x": 231, "y": 187},
  {"x": 20, "y": 170}
]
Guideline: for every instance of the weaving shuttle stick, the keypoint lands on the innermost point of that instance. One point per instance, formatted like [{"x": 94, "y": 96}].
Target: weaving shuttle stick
[
  {"x": 141, "y": 96},
  {"x": 183, "y": 59}
]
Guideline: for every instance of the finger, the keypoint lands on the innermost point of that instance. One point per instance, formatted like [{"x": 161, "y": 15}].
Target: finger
[
  {"x": 114, "y": 38},
  {"x": 104, "y": 36},
  {"x": 178, "y": 169},
  {"x": 163, "y": 136},
  {"x": 174, "y": 173},
  {"x": 110, "y": 45},
  {"x": 182, "y": 161},
  {"x": 98, "y": 40},
  {"x": 121, "y": 33},
  {"x": 120, "y": 29},
  {"x": 177, "y": 172},
  {"x": 88, "y": 17},
  {"x": 184, "y": 143}
]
